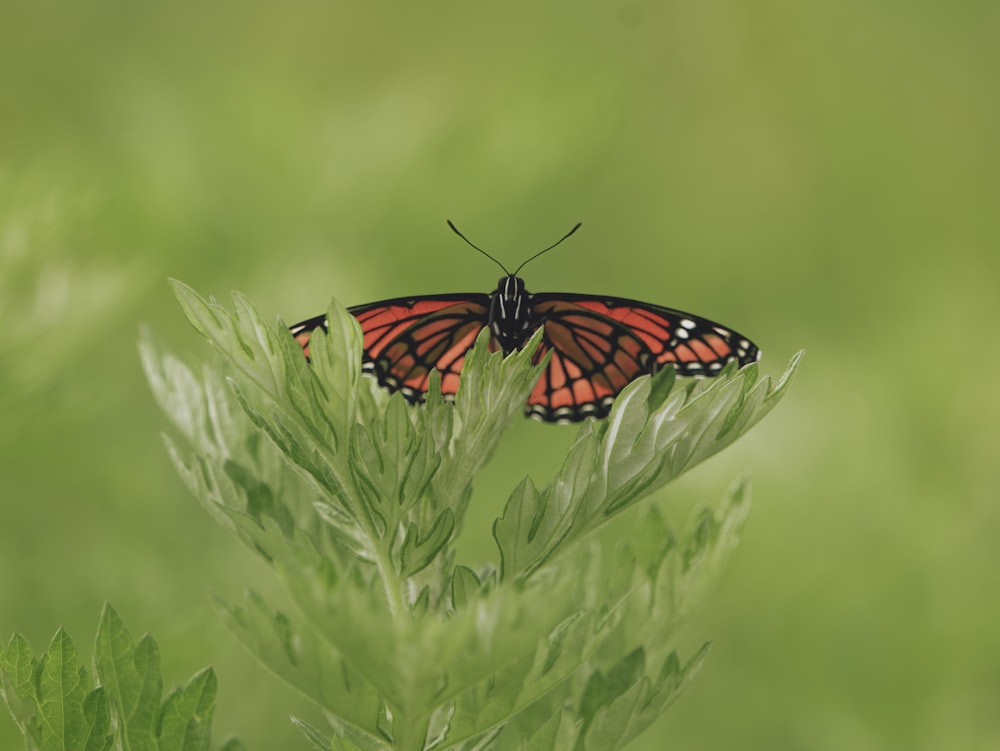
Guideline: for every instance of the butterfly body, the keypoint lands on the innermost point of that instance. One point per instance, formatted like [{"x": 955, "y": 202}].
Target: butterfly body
[
  {"x": 598, "y": 344},
  {"x": 510, "y": 317}
]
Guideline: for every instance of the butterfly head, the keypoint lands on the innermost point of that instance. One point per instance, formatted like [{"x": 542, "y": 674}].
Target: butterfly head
[{"x": 511, "y": 320}]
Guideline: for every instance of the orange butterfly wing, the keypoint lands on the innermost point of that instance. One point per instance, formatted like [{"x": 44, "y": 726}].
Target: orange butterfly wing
[
  {"x": 601, "y": 344},
  {"x": 405, "y": 338}
]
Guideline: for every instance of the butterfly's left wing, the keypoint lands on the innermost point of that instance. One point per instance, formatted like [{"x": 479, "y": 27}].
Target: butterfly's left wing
[
  {"x": 406, "y": 337},
  {"x": 600, "y": 344}
]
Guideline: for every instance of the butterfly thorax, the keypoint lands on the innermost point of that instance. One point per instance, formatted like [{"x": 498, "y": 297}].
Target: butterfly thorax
[{"x": 510, "y": 313}]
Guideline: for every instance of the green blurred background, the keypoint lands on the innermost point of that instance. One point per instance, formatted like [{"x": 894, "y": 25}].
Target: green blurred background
[{"x": 818, "y": 175}]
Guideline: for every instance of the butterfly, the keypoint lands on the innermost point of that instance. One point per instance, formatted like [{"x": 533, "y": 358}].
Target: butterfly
[{"x": 598, "y": 343}]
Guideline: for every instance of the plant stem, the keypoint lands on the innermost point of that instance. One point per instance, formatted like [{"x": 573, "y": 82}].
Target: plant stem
[
  {"x": 411, "y": 735},
  {"x": 390, "y": 583}
]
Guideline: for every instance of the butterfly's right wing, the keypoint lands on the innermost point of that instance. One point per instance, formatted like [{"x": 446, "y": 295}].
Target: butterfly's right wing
[
  {"x": 600, "y": 344},
  {"x": 406, "y": 337}
]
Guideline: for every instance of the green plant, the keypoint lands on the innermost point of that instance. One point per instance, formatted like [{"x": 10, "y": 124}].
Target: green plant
[
  {"x": 356, "y": 499},
  {"x": 57, "y": 704}
]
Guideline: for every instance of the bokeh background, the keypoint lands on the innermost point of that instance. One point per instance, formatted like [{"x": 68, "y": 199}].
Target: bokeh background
[{"x": 818, "y": 175}]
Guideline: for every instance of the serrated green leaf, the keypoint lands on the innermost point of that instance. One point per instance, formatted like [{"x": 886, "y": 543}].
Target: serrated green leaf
[
  {"x": 336, "y": 359},
  {"x": 661, "y": 384},
  {"x": 174, "y": 386},
  {"x": 481, "y": 742},
  {"x": 131, "y": 675},
  {"x": 609, "y": 727},
  {"x": 62, "y": 686},
  {"x": 208, "y": 319},
  {"x": 293, "y": 652},
  {"x": 619, "y": 706},
  {"x": 417, "y": 552},
  {"x": 17, "y": 686},
  {"x": 465, "y": 585},
  {"x": 260, "y": 498},
  {"x": 628, "y": 716},
  {"x": 651, "y": 539},
  {"x": 97, "y": 713},
  {"x": 393, "y": 462},
  {"x": 603, "y": 689},
  {"x": 673, "y": 678},
  {"x": 709, "y": 544},
  {"x": 186, "y": 716},
  {"x": 534, "y": 523},
  {"x": 319, "y": 741},
  {"x": 558, "y": 733},
  {"x": 347, "y": 738}
]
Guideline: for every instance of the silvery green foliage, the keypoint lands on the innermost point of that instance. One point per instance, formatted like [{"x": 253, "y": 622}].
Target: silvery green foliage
[{"x": 356, "y": 499}]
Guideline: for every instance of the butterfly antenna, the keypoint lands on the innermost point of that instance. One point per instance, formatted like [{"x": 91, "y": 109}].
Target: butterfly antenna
[
  {"x": 473, "y": 245},
  {"x": 546, "y": 250}
]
